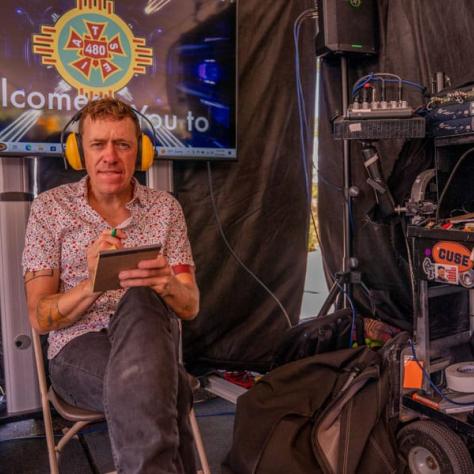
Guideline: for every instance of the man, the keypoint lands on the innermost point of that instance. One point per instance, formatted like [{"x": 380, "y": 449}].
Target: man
[
  {"x": 115, "y": 351},
  {"x": 441, "y": 273}
]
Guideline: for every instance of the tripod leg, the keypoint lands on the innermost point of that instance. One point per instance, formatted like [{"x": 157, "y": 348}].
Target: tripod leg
[{"x": 331, "y": 298}]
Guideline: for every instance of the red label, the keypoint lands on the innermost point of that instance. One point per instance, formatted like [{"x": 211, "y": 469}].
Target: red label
[{"x": 452, "y": 253}]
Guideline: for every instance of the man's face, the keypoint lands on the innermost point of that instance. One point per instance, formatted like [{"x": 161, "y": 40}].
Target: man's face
[{"x": 110, "y": 152}]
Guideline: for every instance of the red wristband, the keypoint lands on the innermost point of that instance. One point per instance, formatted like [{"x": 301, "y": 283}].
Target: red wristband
[{"x": 183, "y": 268}]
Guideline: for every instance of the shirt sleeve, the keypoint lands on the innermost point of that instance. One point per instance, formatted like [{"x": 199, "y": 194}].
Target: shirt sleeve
[
  {"x": 42, "y": 249},
  {"x": 177, "y": 247}
]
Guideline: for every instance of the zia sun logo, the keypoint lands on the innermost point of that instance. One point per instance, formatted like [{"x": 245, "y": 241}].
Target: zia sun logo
[{"x": 93, "y": 49}]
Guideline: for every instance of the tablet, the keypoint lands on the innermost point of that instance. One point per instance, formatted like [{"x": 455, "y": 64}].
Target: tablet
[{"x": 111, "y": 262}]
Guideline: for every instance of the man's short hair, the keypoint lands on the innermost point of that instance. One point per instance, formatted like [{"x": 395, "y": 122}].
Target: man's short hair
[{"x": 108, "y": 107}]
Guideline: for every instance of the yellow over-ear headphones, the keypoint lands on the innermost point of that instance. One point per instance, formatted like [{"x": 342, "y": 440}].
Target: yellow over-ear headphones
[{"x": 74, "y": 154}]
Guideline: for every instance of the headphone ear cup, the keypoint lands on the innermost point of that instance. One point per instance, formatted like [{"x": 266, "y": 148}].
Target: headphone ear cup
[
  {"x": 146, "y": 152},
  {"x": 73, "y": 152}
]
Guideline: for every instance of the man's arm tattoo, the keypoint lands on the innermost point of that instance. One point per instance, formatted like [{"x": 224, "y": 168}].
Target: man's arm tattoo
[
  {"x": 29, "y": 276},
  {"x": 48, "y": 315}
]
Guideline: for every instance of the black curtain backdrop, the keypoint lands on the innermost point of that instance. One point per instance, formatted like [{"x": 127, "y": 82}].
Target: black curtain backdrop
[
  {"x": 261, "y": 199},
  {"x": 417, "y": 39}
]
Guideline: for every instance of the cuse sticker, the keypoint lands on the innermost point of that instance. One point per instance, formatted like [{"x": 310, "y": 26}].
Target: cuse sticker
[{"x": 452, "y": 253}]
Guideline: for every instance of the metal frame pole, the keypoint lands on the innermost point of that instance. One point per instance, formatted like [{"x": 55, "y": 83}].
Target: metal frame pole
[
  {"x": 342, "y": 281},
  {"x": 347, "y": 236}
]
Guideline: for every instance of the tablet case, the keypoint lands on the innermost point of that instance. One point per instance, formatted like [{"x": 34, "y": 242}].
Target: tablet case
[{"x": 111, "y": 262}]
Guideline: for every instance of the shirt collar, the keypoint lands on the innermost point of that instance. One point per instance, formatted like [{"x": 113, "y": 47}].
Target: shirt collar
[{"x": 139, "y": 191}]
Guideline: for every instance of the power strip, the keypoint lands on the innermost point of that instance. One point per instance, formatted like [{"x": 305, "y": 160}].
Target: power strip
[{"x": 374, "y": 110}]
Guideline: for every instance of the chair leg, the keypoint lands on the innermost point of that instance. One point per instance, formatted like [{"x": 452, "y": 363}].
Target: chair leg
[
  {"x": 70, "y": 433},
  {"x": 48, "y": 428},
  {"x": 199, "y": 444}
]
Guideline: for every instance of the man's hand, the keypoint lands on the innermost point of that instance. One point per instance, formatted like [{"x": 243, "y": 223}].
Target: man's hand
[
  {"x": 49, "y": 310},
  {"x": 109, "y": 239},
  {"x": 179, "y": 291},
  {"x": 155, "y": 273}
]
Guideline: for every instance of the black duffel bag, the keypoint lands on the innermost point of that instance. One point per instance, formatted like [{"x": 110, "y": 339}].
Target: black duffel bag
[{"x": 316, "y": 336}]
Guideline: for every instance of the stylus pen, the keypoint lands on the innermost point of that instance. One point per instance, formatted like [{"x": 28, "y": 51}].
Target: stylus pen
[{"x": 114, "y": 234}]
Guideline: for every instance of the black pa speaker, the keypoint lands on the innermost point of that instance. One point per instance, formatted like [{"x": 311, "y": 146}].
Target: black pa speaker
[{"x": 346, "y": 26}]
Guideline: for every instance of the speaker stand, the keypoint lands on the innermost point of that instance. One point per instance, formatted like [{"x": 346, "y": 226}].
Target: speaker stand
[{"x": 341, "y": 290}]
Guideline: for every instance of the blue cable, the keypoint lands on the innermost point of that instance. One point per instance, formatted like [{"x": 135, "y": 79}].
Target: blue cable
[
  {"x": 414, "y": 84},
  {"x": 299, "y": 86},
  {"x": 363, "y": 81},
  {"x": 296, "y": 33},
  {"x": 303, "y": 135},
  {"x": 302, "y": 116},
  {"x": 357, "y": 87}
]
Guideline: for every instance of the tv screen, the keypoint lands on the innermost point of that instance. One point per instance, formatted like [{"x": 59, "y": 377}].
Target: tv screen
[{"x": 172, "y": 60}]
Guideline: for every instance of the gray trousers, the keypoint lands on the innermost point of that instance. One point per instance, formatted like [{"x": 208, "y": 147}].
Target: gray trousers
[{"x": 131, "y": 373}]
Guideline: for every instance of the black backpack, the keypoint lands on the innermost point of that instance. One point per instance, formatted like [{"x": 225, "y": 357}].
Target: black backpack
[{"x": 322, "y": 414}]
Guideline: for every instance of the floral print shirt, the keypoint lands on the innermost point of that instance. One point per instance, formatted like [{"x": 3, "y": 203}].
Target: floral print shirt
[{"x": 62, "y": 225}]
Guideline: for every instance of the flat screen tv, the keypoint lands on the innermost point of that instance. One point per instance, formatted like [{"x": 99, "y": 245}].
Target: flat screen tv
[{"x": 173, "y": 60}]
